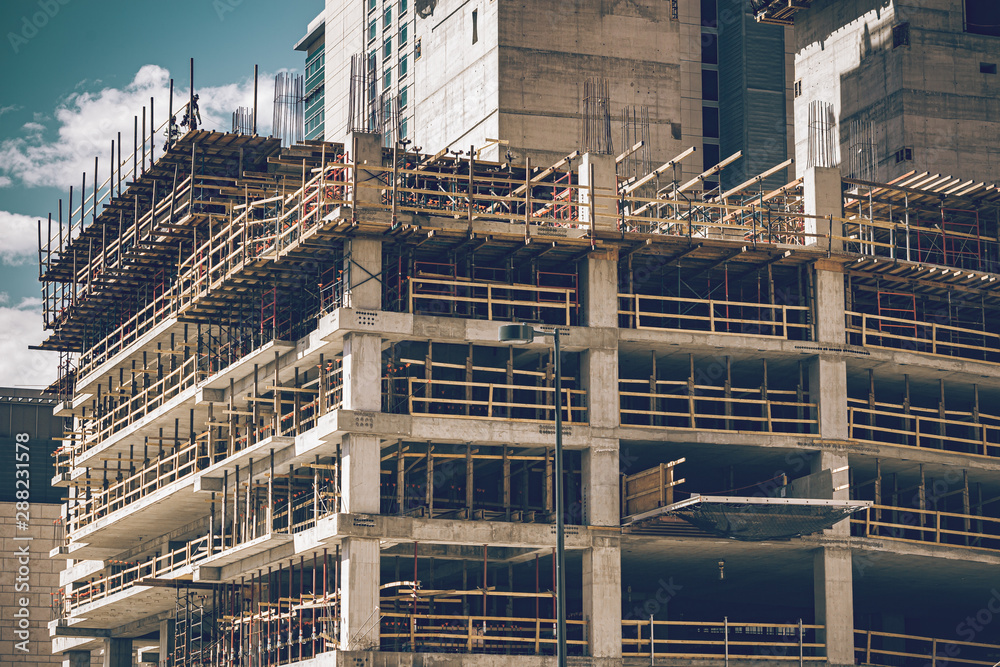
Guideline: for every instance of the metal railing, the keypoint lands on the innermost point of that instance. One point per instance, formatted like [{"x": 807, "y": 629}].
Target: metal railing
[{"x": 681, "y": 640}]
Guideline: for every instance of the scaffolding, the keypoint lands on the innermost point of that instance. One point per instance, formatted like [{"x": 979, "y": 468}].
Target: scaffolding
[{"x": 685, "y": 400}]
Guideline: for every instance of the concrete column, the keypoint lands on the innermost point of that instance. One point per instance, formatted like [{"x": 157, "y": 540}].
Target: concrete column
[
  {"x": 828, "y": 389},
  {"x": 823, "y": 197},
  {"x": 599, "y": 368},
  {"x": 605, "y": 191},
  {"x": 359, "y": 568},
  {"x": 601, "y": 495},
  {"x": 360, "y": 462},
  {"x": 830, "y": 291},
  {"x": 363, "y": 268},
  {"x": 366, "y": 149},
  {"x": 166, "y": 642},
  {"x": 834, "y": 599},
  {"x": 363, "y": 372},
  {"x": 602, "y": 597},
  {"x": 599, "y": 289},
  {"x": 118, "y": 652},
  {"x": 76, "y": 659}
]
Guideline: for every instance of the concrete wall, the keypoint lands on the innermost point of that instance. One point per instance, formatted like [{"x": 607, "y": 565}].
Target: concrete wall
[
  {"x": 345, "y": 35},
  {"x": 929, "y": 96},
  {"x": 548, "y": 53},
  {"x": 456, "y": 81},
  {"x": 523, "y": 80}
]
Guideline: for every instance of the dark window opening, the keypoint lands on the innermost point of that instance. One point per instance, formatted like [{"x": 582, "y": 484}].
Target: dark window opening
[
  {"x": 475, "y": 26},
  {"x": 987, "y": 68},
  {"x": 709, "y": 49},
  {"x": 982, "y": 17},
  {"x": 904, "y": 155},
  {"x": 711, "y": 155},
  {"x": 901, "y": 35},
  {"x": 797, "y": 87},
  {"x": 710, "y": 122},
  {"x": 710, "y": 85},
  {"x": 709, "y": 13}
]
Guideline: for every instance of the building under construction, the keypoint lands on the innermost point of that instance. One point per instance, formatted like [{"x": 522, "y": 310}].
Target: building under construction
[{"x": 296, "y": 438}]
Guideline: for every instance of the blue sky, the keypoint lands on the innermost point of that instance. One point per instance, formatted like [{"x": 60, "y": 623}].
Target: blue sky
[{"x": 74, "y": 73}]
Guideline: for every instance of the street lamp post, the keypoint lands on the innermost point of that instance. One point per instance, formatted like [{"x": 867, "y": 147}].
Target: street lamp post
[{"x": 522, "y": 334}]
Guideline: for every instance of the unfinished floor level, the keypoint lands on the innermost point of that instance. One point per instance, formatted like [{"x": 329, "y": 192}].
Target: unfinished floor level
[{"x": 296, "y": 439}]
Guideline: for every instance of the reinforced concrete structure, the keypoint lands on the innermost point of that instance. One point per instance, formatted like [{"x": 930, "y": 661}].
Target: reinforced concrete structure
[
  {"x": 913, "y": 85},
  {"x": 541, "y": 79},
  {"x": 296, "y": 439}
]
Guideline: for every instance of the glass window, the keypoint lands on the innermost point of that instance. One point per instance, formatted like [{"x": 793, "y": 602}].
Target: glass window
[
  {"x": 982, "y": 17},
  {"x": 709, "y": 85},
  {"x": 709, "y": 12},
  {"x": 372, "y": 4},
  {"x": 402, "y": 7},
  {"x": 404, "y": 66},
  {"x": 402, "y": 97},
  {"x": 387, "y": 78},
  {"x": 709, "y": 122},
  {"x": 402, "y": 128},
  {"x": 372, "y": 31},
  {"x": 387, "y": 49},
  {"x": 709, "y": 49},
  {"x": 387, "y": 18},
  {"x": 711, "y": 155},
  {"x": 403, "y": 34}
]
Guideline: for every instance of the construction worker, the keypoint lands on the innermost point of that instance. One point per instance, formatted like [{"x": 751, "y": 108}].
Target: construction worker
[
  {"x": 173, "y": 133},
  {"x": 195, "y": 113}
]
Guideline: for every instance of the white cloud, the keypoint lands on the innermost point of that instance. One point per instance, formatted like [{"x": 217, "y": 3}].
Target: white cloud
[
  {"x": 33, "y": 127},
  {"x": 19, "y": 366},
  {"x": 4, "y": 298},
  {"x": 20, "y": 238},
  {"x": 87, "y": 121},
  {"x": 30, "y": 302},
  {"x": 9, "y": 108}
]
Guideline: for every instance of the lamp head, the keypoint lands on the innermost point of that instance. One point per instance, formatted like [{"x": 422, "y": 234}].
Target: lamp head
[{"x": 516, "y": 333}]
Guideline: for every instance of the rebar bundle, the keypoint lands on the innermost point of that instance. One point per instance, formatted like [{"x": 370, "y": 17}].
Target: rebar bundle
[
  {"x": 863, "y": 161},
  {"x": 822, "y": 135},
  {"x": 597, "y": 117},
  {"x": 243, "y": 121},
  {"x": 362, "y": 112},
  {"x": 289, "y": 118},
  {"x": 388, "y": 121},
  {"x": 635, "y": 128}
]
